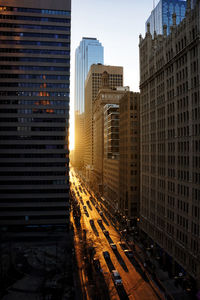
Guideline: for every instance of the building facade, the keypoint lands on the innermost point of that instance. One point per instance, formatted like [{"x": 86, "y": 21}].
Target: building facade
[
  {"x": 170, "y": 144},
  {"x": 111, "y": 153},
  {"x": 103, "y": 129},
  {"x": 129, "y": 156},
  {"x": 34, "y": 112},
  {"x": 90, "y": 51},
  {"x": 92, "y": 85},
  {"x": 162, "y": 15}
]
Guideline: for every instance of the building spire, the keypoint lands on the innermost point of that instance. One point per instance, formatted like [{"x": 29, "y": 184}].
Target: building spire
[
  {"x": 165, "y": 30},
  {"x": 188, "y": 8},
  {"x": 174, "y": 19},
  {"x": 148, "y": 27}
]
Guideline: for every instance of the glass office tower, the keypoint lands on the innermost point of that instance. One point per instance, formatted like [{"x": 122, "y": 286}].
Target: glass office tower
[
  {"x": 162, "y": 15},
  {"x": 90, "y": 51},
  {"x": 34, "y": 112}
]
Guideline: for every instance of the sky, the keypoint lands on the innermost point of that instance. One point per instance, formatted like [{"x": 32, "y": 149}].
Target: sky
[{"x": 117, "y": 24}]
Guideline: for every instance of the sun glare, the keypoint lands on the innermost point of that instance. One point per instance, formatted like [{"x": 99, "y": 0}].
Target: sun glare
[{"x": 71, "y": 132}]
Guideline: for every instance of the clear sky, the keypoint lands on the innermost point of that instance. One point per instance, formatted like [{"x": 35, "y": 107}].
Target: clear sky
[{"x": 117, "y": 25}]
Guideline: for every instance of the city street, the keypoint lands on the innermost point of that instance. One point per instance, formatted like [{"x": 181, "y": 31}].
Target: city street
[{"x": 98, "y": 232}]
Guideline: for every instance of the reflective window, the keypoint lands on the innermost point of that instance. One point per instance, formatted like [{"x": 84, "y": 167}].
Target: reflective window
[
  {"x": 36, "y": 43},
  {"x": 29, "y": 18},
  {"x": 35, "y": 76},
  {"x": 39, "y": 27},
  {"x": 33, "y": 111},
  {"x": 34, "y": 10},
  {"x": 34, "y": 59},
  {"x": 34, "y": 34},
  {"x": 29, "y": 102},
  {"x": 162, "y": 15},
  {"x": 35, "y": 68},
  {"x": 35, "y": 51},
  {"x": 35, "y": 85},
  {"x": 31, "y": 94},
  {"x": 32, "y": 119}
]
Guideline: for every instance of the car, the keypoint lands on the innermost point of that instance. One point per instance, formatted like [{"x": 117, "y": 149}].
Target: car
[
  {"x": 106, "y": 232},
  {"x": 101, "y": 213},
  {"x": 129, "y": 253},
  {"x": 99, "y": 221},
  {"x": 106, "y": 254},
  {"x": 113, "y": 246},
  {"x": 116, "y": 277},
  {"x": 86, "y": 212},
  {"x": 92, "y": 222},
  {"x": 123, "y": 246},
  {"x": 97, "y": 208}
]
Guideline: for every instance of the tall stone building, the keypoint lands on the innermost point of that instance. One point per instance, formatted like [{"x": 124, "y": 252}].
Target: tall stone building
[
  {"x": 129, "y": 158},
  {"x": 92, "y": 86},
  {"x": 34, "y": 112},
  {"x": 170, "y": 143},
  {"x": 104, "y": 125}
]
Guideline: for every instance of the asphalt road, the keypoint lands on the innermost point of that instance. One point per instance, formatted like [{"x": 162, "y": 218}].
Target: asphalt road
[{"x": 136, "y": 284}]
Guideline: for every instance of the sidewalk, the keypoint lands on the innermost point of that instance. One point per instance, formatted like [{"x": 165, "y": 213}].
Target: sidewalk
[{"x": 166, "y": 284}]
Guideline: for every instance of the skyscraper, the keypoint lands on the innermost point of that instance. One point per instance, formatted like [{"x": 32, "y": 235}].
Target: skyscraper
[
  {"x": 34, "y": 112},
  {"x": 162, "y": 15},
  {"x": 170, "y": 144},
  {"x": 90, "y": 51},
  {"x": 92, "y": 85}
]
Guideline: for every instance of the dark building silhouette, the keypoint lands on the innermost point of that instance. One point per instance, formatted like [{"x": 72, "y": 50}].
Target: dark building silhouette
[{"x": 34, "y": 112}]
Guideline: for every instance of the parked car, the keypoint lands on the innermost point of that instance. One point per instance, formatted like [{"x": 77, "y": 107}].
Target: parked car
[
  {"x": 92, "y": 222},
  {"x": 129, "y": 253},
  {"x": 106, "y": 254},
  {"x": 101, "y": 213},
  {"x": 97, "y": 208},
  {"x": 123, "y": 246},
  {"x": 106, "y": 232},
  {"x": 116, "y": 277},
  {"x": 113, "y": 246}
]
